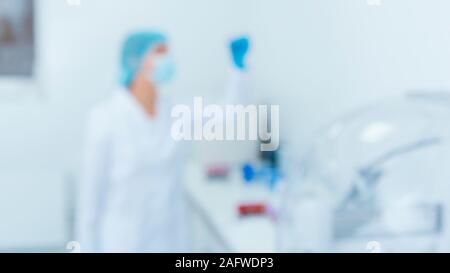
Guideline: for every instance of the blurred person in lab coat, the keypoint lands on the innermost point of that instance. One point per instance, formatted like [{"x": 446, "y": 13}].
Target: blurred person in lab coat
[{"x": 131, "y": 198}]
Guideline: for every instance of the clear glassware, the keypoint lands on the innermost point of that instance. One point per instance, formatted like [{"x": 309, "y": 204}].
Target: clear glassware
[{"x": 381, "y": 173}]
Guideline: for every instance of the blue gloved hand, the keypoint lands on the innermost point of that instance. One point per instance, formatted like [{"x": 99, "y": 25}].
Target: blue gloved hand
[{"x": 239, "y": 49}]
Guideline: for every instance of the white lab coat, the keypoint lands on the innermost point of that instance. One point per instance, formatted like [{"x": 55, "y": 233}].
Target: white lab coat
[{"x": 131, "y": 196}]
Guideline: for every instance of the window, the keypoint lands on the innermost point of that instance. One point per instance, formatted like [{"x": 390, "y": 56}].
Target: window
[{"x": 17, "y": 38}]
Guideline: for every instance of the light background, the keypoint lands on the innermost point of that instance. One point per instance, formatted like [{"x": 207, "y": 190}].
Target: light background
[{"x": 316, "y": 58}]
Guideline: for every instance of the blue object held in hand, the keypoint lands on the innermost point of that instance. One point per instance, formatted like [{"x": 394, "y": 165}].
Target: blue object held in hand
[{"x": 239, "y": 49}]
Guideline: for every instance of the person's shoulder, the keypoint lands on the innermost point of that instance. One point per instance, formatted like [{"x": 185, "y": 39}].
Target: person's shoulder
[
  {"x": 108, "y": 107},
  {"x": 101, "y": 110},
  {"x": 102, "y": 115}
]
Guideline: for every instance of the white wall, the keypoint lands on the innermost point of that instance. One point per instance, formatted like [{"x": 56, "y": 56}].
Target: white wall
[{"x": 320, "y": 58}]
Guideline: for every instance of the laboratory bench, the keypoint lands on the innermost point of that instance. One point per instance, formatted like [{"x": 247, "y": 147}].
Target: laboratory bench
[
  {"x": 217, "y": 224},
  {"x": 218, "y": 227}
]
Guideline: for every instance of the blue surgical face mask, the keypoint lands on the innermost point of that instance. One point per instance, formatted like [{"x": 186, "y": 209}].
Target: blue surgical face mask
[{"x": 164, "y": 70}]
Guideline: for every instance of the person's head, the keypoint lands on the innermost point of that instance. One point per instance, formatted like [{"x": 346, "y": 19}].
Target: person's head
[{"x": 145, "y": 55}]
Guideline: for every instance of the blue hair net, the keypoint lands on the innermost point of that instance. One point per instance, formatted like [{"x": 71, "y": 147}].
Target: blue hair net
[{"x": 135, "y": 47}]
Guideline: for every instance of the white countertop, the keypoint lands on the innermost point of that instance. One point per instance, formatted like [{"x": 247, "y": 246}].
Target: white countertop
[{"x": 218, "y": 200}]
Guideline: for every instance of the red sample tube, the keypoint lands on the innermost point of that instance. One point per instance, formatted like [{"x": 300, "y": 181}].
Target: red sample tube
[{"x": 252, "y": 209}]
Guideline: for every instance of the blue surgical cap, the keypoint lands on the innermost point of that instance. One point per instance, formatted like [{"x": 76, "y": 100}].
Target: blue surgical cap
[{"x": 135, "y": 47}]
